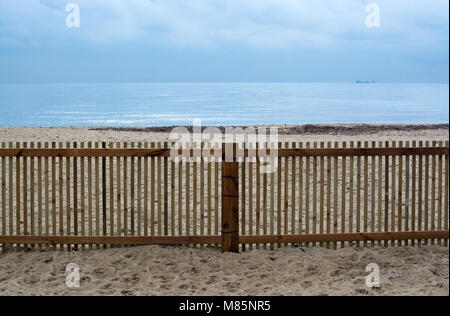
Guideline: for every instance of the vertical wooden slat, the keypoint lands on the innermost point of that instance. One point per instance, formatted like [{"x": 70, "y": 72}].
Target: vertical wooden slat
[
  {"x": 293, "y": 189},
  {"x": 90, "y": 199},
  {"x": 25, "y": 195},
  {"x": 265, "y": 203},
  {"x": 104, "y": 196},
  {"x": 393, "y": 192},
  {"x": 329, "y": 188},
  {"x": 272, "y": 201},
  {"x": 132, "y": 193},
  {"x": 119, "y": 193},
  {"x": 439, "y": 181},
  {"x": 194, "y": 197},
  {"x": 4, "y": 197},
  {"x": 243, "y": 197},
  {"x": 446, "y": 175},
  {"x": 139, "y": 193},
  {"x": 158, "y": 167},
  {"x": 97, "y": 194},
  {"x": 68, "y": 198},
  {"x": 202, "y": 194},
  {"x": 420, "y": 194},
  {"x": 351, "y": 210},
  {"x": 258, "y": 195},
  {"x": 187, "y": 196},
  {"x": 152, "y": 192},
  {"x": 111, "y": 193},
  {"x": 279, "y": 195},
  {"x": 307, "y": 194},
  {"x": 413, "y": 192},
  {"x": 250, "y": 196},
  {"x": 83, "y": 195},
  {"x": 380, "y": 193},
  {"x": 314, "y": 212},
  {"x": 230, "y": 206},
  {"x": 32, "y": 194},
  {"x": 426, "y": 193},
  {"x": 372, "y": 194},
  {"x": 61, "y": 195},
  {"x": 75, "y": 196},
  {"x": 216, "y": 200},
  {"x": 407, "y": 201},
  {"x": 18, "y": 204},
  {"x": 322, "y": 193},
  {"x": 10, "y": 193},
  {"x": 400, "y": 193},
  {"x": 286, "y": 192},
  {"x": 358, "y": 194},
  {"x": 180, "y": 196},
  {"x": 146, "y": 192},
  {"x": 335, "y": 194},
  {"x": 166, "y": 194},
  {"x": 343, "y": 196},
  {"x": 300, "y": 192},
  {"x": 386, "y": 193},
  {"x": 366, "y": 193},
  {"x": 47, "y": 194},
  {"x": 433, "y": 193},
  {"x": 173, "y": 193},
  {"x": 54, "y": 208}
]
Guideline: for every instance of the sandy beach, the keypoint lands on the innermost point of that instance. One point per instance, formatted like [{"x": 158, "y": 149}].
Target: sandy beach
[{"x": 153, "y": 270}]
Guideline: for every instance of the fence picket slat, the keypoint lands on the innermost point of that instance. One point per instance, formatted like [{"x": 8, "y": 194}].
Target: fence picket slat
[
  {"x": 3, "y": 222},
  {"x": 393, "y": 192},
  {"x": 366, "y": 193},
  {"x": 343, "y": 193},
  {"x": 372, "y": 194},
  {"x": 427, "y": 189},
  {"x": 75, "y": 196},
  {"x": 351, "y": 210},
  {"x": 413, "y": 192},
  {"x": 293, "y": 190},
  {"x": 400, "y": 192},
  {"x": 307, "y": 194},
  {"x": 328, "y": 194},
  {"x": 83, "y": 195},
  {"x": 146, "y": 193},
  {"x": 407, "y": 194},
  {"x": 446, "y": 206},
  {"x": 279, "y": 196},
  {"x": 420, "y": 195}
]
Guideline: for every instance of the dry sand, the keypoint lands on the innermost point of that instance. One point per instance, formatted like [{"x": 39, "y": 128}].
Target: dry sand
[{"x": 154, "y": 270}]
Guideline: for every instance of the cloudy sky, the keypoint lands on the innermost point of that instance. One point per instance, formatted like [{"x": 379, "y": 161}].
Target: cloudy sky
[{"x": 223, "y": 40}]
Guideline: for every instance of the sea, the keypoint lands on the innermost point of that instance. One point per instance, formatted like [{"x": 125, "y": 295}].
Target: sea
[{"x": 176, "y": 104}]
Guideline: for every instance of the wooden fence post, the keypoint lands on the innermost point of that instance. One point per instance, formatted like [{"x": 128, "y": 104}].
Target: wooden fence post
[{"x": 230, "y": 203}]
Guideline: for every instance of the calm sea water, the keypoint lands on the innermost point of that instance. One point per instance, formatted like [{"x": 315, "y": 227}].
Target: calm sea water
[{"x": 159, "y": 104}]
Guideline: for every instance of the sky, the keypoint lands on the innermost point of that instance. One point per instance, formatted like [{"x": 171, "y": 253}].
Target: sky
[{"x": 224, "y": 41}]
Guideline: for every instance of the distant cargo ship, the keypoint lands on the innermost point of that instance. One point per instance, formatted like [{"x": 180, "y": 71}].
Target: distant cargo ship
[{"x": 361, "y": 81}]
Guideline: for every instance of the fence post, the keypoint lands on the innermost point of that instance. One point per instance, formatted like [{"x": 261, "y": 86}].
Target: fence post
[{"x": 230, "y": 203}]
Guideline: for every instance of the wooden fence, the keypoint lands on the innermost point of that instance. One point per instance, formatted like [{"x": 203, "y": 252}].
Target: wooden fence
[{"x": 86, "y": 195}]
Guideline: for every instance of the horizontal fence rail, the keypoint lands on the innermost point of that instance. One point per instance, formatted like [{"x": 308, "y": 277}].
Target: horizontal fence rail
[{"x": 69, "y": 196}]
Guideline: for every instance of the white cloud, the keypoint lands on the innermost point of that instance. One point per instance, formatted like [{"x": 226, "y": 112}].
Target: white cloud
[{"x": 261, "y": 24}]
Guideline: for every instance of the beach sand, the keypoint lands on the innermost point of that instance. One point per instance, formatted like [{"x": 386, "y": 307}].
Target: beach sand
[{"x": 157, "y": 270}]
